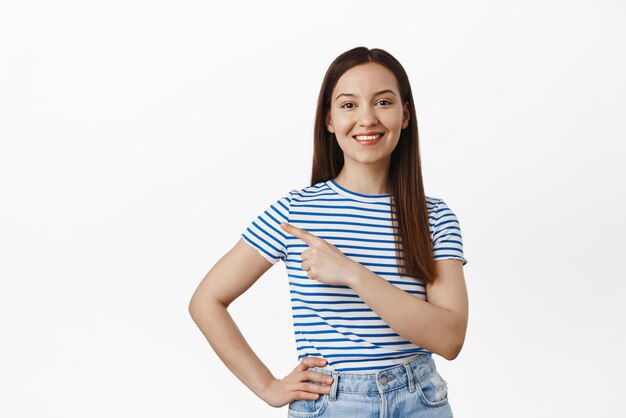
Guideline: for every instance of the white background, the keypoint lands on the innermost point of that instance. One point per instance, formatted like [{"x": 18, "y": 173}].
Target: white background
[{"x": 139, "y": 138}]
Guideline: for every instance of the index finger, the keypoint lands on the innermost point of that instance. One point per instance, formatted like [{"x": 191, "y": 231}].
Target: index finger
[{"x": 304, "y": 235}]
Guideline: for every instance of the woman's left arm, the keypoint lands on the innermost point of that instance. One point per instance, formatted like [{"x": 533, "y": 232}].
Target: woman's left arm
[{"x": 439, "y": 324}]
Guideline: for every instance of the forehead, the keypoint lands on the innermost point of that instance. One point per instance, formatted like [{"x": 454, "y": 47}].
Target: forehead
[{"x": 365, "y": 79}]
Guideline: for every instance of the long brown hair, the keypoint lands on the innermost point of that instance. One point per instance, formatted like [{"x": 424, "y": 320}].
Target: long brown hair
[{"x": 408, "y": 202}]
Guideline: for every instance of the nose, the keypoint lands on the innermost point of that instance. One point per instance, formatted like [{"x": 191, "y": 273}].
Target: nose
[{"x": 367, "y": 116}]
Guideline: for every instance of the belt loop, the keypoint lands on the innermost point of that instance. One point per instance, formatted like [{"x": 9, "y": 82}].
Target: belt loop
[
  {"x": 409, "y": 376},
  {"x": 332, "y": 395}
]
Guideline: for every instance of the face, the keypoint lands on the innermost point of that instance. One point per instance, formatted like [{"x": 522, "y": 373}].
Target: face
[{"x": 367, "y": 114}]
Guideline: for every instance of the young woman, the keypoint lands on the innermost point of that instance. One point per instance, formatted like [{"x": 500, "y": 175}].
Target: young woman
[{"x": 375, "y": 266}]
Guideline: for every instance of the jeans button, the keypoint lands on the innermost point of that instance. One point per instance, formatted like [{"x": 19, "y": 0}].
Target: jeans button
[{"x": 384, "y": 379}]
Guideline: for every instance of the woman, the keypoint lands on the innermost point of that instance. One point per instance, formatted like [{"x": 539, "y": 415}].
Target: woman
[{"x": 375, "y": 266}]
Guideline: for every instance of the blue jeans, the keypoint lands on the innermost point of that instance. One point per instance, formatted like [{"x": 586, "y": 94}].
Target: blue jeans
[{"x": 411, "y": 389}]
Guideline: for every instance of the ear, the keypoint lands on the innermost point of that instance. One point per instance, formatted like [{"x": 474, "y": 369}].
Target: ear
[
  {"x": 406, "y": 115},
  {"x": 329, "y": 123}
]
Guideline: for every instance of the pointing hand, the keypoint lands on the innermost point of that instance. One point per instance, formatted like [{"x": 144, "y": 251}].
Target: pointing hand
[{"x": 324, "y": 262}]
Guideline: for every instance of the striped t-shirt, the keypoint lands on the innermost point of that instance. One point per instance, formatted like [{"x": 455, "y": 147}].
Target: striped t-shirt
[{"x": 332, "y": 321}]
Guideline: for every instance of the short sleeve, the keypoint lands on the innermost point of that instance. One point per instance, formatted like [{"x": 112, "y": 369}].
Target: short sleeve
[
  {"x": 265, "y": 234},
  {"x": 447, "y": 239}
]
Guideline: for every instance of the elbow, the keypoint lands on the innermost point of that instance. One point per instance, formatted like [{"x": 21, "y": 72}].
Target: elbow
[
  {"x": 192, "y": 308},
  {"x": 452, "y": 350},
  {"x": 195, "y": 307},
  {"x": 454, "y": 343},
  {"x": 200, "y": 307}
]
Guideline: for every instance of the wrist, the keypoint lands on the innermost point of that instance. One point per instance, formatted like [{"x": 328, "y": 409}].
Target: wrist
[
  {"x": 359, "y": 274},
  {"x": 264, "y": 390}
]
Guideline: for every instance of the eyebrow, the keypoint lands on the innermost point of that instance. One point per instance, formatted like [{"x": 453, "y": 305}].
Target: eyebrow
[{"x": 375, "y": 94}]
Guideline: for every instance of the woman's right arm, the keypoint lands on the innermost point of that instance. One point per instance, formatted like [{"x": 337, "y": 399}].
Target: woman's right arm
[{"x": 230, "y": 277}]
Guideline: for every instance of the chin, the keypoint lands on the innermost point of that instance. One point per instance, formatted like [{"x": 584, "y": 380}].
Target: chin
[{"x": 370, "y": 159}]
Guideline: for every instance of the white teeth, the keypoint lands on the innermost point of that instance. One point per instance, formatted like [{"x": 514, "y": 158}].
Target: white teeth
[{"x": 368, "y": 137}]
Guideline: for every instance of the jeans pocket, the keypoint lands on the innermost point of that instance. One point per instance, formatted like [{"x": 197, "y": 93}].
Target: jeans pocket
[
  {"x": 304, "y": 408},
  {"x": 432, "y": 389}
]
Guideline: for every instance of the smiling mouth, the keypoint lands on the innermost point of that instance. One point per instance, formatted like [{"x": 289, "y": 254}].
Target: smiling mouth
[{"x": 367, "y": 137}]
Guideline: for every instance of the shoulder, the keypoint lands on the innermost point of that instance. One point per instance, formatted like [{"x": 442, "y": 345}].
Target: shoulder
[
  {"x": 307, "y": 191},
  {"x": 432, "y": 203},
  {"x": 282, "y": 203},
  {"x": 436, "y": 206},
  {"x": 445, "y": 230},
  {"x": 440, "y": 216}
]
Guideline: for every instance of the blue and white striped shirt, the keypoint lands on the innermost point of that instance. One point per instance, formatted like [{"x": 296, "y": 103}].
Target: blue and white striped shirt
[{"x": 332, "y": 321}]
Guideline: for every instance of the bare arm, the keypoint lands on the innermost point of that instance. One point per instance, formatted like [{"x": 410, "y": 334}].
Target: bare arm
[
  {"x": 439, "y": 324},
  {"x": 231, "y": 276}
]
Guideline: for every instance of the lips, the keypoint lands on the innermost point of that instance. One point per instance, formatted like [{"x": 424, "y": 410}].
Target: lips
[
  {"x": 369, "y": 140},
  {"x": 368, "y": 136}
]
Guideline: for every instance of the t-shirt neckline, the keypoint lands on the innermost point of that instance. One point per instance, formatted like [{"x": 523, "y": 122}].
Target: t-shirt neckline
[{"x": 369, "y": 198}]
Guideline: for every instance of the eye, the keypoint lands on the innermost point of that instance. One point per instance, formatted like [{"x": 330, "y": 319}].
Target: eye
[
  {"x": 343, "y": 106},
  {"x": 384, "y": 102}
]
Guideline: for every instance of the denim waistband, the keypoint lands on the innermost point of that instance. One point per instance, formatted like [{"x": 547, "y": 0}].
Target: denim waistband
[{"x": 381, "y": 381}]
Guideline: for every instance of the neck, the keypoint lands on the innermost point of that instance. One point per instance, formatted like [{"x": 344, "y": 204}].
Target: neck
[{"x": 364, "y": 179}]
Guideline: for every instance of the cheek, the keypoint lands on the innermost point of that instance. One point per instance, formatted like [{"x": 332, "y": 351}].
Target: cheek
[
  {"x": 343, "y": 125},
  {"x": 391, "y": 120}
]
